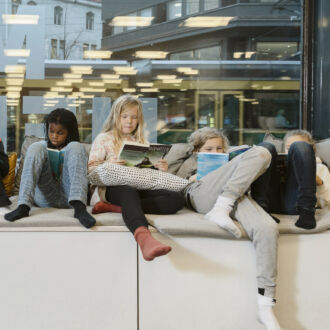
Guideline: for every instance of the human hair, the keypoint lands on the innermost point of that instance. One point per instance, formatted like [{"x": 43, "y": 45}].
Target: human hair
[
  {"x": 67, "y": 119},
  {"x": 198, "y": 138},
  {"x": 300, "y": 132},
  {"x": 112, "y": 123}
]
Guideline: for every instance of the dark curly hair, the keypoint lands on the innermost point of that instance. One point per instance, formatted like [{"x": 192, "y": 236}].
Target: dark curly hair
[{"x": 67, "y": 119}]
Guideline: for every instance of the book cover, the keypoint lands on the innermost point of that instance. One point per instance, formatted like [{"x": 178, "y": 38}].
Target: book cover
[
  {"x": 143, "y": 155},
  {"x": 237, "y": 151},
  {"x": 210, "y": 161},
  {"x": 56, "y": 160}
]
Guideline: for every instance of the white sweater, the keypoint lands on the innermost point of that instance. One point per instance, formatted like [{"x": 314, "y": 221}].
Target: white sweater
[{"x": 323, "y": 191}]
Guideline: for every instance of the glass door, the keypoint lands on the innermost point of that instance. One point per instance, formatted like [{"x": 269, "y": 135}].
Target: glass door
[{"x": 231, "y": 117}]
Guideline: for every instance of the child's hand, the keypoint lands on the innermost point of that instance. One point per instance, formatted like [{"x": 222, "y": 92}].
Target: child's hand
[
  {"x": 162, "y": 165},
  {"x": 193, "y": 178},
  {"x": 319, "y": 181},
  {"x": 116, "y": 160}
]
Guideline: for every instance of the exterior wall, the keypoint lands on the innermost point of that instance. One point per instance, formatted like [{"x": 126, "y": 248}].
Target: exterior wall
[{"x": 73, "y": 29}]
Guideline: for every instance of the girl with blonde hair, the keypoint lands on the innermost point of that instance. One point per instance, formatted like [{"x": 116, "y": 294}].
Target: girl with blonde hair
[{"x": 125, "y": 123}]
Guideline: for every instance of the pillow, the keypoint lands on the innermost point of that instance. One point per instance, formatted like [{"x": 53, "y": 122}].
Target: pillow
[
  {"x": 323, "y": 151},
  {"x": 29, "y": 139},
  {"x": 278, "y": 143},
  {"x": 9, "y": 179},
  {"x": 109, "y": 174}
]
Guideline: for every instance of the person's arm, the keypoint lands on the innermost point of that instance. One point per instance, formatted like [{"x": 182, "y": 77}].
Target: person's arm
[
  {"x": 4, "y": 165},
  {"x": 103, "y": 150}
]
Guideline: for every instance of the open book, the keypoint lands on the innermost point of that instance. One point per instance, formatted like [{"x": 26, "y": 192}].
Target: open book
[
  {"x": 210, "y": 161},
  {"x": 56, "y": 160},
  {"x": 143, "y": 155}
]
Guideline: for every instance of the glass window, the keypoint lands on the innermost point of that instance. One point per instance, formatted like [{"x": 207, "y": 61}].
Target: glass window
[
  {"x": 211, "y": 4},
  {"x": 58, "y": 15},
  {"x": 174, "y": 9},
  {"x": 187, "y": 55},
  {"x": 277, "y": 51},
  {"x": 14, "y": 6},
  {"x": 89, "y": 21},
  {"x": 192, "y": 7},
  {"x": 242, "y": 76},
  {"x": 62, "y": 50},
  {"x": 130, "y": 28},
  {"x": 147, "y": 12},
  {"x": 53, "y": 50},
  {"x": 209, "y": 53}
]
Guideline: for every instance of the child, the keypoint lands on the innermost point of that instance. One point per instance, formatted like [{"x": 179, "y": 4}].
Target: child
[
  {"x": 215, "y": 195},
  {"x": 4, "y": 168},
  {"x": 125, "y": 123},
  {"x": 305, "y": 184},
  {"x": 39, "y": 186}
]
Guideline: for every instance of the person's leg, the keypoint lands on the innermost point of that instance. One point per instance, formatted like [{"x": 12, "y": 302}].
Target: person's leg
[
  {"x": 75, "y": 182},
  {"x": 216, "y": 193},
  {"x": 263, "y": 232},
  {"x": 36, "y": 171},
  {"x": 266, "y": 189},
  {"x": 129, "y": 200},
  {"x": 300, "y": 190},
  {"x": 4, "y": 200},
  {"x": 161, "y": 201}
]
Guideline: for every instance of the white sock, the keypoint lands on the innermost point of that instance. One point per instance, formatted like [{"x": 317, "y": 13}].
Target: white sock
[
  {"x": 266, "y": 314},
  {"x": 220, "y": 215}
]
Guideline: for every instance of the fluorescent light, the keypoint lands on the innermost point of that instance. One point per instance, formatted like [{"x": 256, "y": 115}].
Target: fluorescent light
[
  {"x": 15, "y": 75},
  {"x": 81, "y": 69},
  {"x": 17, "y": 52},
  {"x": 97, "y": 54},
  {"x": 149, "y": 90},
  {"x": 166, "y": 76},
  {"x": 96, "y": 90},
  {"x": 96, "y": 83},
  {"x": 15, "y": 69},
  {"x": 109, "y": 76},
  {"x": 172, "y": 81},
  {"x": 14, "y": 89},
  {"x": 87, "y": 96},
  {"x": 63, "y": 83},
  {"x": 52, "y": 101},
  {"x": 74, "y": 81},
  {"x": 14, "y": 82},
  {"x": 150, "y": 54},
  {"x": 131, "y": 21},
  {"x": 20, "y": 19},
  {"x": 13, "y": 95},
  {"x": 207, "y": 21},
  {"x": 249, "y": 54},
  {"x": 129, "y": 90},
  {"x": 113, "y": 81},
  {"x": 144, "y": 84},
  {"x": 60, "y": 89},
  {"x": 125, "y": 70},
  {"x": 72, "y": 75},
  {"x": 238, "y": 54},
  {"x": 187, "y": 70}
]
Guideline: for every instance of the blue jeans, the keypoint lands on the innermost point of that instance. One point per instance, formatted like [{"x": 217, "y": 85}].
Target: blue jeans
[{"x": 299, "y": 187}]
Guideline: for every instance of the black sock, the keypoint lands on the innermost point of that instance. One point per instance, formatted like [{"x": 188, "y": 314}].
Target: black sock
[
  {"x": 306, "y": 219},
  {"x": 21, "y": 212},
  {"x": 266, "y": 208},
  {"x": 82, "y": 215}
]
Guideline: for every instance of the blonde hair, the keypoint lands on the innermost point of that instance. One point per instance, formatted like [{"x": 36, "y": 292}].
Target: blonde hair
[
  {"x": 300, "y": 132},
  {"x": 198, "y": 138},
  {"x": 112, "y": 123}
]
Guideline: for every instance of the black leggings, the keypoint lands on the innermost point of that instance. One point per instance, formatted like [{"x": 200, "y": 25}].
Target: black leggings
[{"x": 135, "y": 203}]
